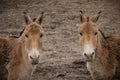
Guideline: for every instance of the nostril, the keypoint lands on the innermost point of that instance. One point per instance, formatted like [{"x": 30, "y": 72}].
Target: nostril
[
  {"x": 93, "y": 53},
  {"x": 31, "y": 57},
  {"x": 85, "y": 54}
]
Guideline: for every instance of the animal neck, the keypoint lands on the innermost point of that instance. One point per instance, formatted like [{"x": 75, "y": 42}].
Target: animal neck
[
  {"x": 24, "y": 59},
  {"x": 103, "y": 57},
  {"x": 28, "y": 67}
]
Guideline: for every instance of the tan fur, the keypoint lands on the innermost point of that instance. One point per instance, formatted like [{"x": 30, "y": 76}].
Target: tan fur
[
  {"x": 17, "y": 66},
  {"x": 107, "y": 61}
]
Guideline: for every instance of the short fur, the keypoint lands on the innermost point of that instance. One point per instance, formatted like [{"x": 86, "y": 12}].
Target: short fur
[
  {"x": 14, "y": 64},
  {"x": 106, "y": 65}
]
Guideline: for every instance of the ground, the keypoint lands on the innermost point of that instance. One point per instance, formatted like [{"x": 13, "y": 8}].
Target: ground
[{"x": 61, "y": 58}]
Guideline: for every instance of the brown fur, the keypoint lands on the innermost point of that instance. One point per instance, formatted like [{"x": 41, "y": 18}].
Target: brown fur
[
  {"x": 5, "y": 48},
  {"x": 107, "y": 61},
  {"x": 18, "y": 64},
  {"x": 13, "y": 53}
]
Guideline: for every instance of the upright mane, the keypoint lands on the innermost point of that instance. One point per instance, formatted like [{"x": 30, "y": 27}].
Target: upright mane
[
  {"x": 104, "y": 55},
  {"x": 14, "y": 36},
  {"x": 26, "y": 49},
  {"x": 101, "y": 53}
]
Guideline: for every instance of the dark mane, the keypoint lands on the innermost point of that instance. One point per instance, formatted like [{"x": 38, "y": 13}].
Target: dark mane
[
  {"x": 104, "y": 35},
  {"x": 21, "y": 32},
  {"x": 14, "y": 36}
]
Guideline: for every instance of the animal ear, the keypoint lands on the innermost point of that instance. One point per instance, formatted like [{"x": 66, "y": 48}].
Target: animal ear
[
  {"x": 40, "y": 18},
  {"x": 27, "y": 18},
  {"x": 96, "y": 17},
  {"x": 82, "y": 17},
  {"x": 42, "y": 31}
]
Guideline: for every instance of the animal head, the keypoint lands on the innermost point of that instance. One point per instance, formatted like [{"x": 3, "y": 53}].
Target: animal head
[
  {"x": 32, "y": 36},
  {"x": 89, "y": 33}
]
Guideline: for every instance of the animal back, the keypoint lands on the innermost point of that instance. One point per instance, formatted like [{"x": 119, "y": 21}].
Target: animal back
[
  {"x": 114, "y": 48},
  {"x": 4, "y": 58}
]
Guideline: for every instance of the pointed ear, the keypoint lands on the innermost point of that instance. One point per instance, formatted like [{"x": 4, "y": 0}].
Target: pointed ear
[
  {"x": 40, "y": 18},
  {"x": 96, "y": 17},
  {"x": 82, "y": 17},
  {"x": 27, "y": 18},
  {"x": 42, "y": 31}
]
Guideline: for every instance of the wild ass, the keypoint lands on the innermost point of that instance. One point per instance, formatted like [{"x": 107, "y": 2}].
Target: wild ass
[
  {"x": 101, "y": 54},
  {"x": 25, "y": 51}
]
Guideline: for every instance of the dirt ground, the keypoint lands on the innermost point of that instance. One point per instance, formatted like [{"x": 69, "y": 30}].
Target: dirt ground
[{"x": 61, "y": 58}]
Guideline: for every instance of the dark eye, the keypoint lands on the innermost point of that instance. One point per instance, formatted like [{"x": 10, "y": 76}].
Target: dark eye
[
  {"x": 95, "y": 33},
  {"x": 26, "y": 36},
  {"x": 81, "y": 34},
  {"x": 41, "y": 36}
]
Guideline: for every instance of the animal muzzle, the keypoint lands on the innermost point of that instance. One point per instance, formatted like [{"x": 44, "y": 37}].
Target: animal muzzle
[
  {"x": 89, "y": 57},
  {"x": 34, "y": 56},
  {"x": 34, "y": 60},
  {"x": 89, "y": 53}
]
